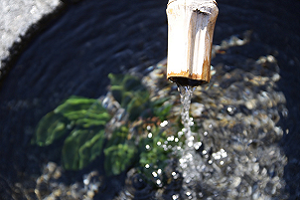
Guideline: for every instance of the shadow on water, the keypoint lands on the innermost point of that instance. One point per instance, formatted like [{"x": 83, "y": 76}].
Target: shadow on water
[{"x": 94, "y": 38}]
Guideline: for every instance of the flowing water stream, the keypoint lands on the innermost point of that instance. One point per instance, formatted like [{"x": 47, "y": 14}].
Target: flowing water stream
[{"x": 187, "y": 161}]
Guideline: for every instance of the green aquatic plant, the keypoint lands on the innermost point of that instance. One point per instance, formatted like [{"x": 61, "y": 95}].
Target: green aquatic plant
[
  {"x": 130, "y": 93},
  {"x": 119, "y": 152},
  {"x": 82, "y": 122}
]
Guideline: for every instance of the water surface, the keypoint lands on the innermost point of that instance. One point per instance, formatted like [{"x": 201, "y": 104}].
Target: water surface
[{"x": 94, "y": 38}]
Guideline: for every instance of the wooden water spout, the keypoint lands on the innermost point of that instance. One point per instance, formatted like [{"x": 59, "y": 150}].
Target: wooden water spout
[{"x": 191, "y": 26}]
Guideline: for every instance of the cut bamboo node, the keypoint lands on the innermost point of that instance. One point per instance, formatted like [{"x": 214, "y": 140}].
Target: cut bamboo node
[{"x": 191, "y": 26}]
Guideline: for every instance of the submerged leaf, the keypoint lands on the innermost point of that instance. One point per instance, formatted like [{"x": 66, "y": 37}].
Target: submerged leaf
[
  {"x": 128, "y": 90},
  {"x": 84, "y": 112},
  {"x": 118, "y": 158},
  {"x": 161, "y": 108},
  {"x": 85, "y": 142},
  {"x": 91, "y": 149},
  {"x": 138, "y": 104},
  {"x": 51, "y": 127},
  {"x": 80, "y": 148},
  {"x": 74, "y": 103}
]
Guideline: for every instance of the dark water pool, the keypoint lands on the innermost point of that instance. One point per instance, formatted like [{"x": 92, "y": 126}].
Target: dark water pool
[{"x": 94, "y": 38}]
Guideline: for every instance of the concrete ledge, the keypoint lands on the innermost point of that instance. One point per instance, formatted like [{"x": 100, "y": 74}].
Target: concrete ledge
[{"x": 19, "y": 20}]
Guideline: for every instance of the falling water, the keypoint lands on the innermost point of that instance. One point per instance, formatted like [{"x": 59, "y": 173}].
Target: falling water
[
  {"x": 186, "y": 93},
  {"x": 189, "y": 161}
]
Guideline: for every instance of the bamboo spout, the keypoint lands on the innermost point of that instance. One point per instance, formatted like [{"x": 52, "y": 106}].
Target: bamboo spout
[{"x": 191, "y": 26}]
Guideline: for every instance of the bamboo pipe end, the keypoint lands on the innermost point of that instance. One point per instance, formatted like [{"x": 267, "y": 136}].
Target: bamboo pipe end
[{"x": 190, "y": 34}]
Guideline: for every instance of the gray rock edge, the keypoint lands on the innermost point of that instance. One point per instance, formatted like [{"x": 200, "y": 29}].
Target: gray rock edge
[{"x": 20, "y": 22}]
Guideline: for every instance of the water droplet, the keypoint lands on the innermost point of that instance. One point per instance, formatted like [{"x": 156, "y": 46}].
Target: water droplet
[
  {"x": 148, "y": 147},
  {"x": 180, "y": 133},
  {"x": 154, "y": 174},
  {"x": 175, "y": 196},
  {"x": 171, "y": 138},
  {"x": 164, "y": 123},
  {"x": 158, "y": 182},
  {"x": 190, "y": 143},
  {"x": 165, "y": 147},
  {"x": 147, "y": 166},
  {"x": 150, "y": 135},
  {"x": 200, "y": 194},
  {"x": 86, "y": 181},
  {"x": 216, "y": 156},
  {"x": 197, "y": 145},
  {"x": 231, "y": 110}
]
